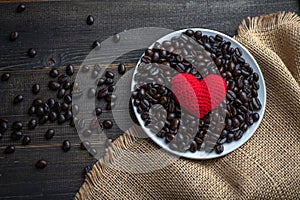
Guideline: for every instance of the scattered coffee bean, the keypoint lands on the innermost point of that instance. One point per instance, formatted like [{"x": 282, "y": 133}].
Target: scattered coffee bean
[
  {"x": 116, "y": 37},
  {"x": 70, "y": 70},
  {"x": 85, "y": 145},
  {"x": 18, "y": 99},
  {"x": 5, "y": 76},
  {"x": 121, "y": 69},
  {"x": 32, "y": 124},
  {"x": 111, "y": 88},
  {"x": 26, "y": 140},
  {"x": 13, "y": 35},
  {"x": 54, "y": 73},
  {"x": 35, "y": 88},
  {"x": 96, "y": 44},
  {"x": 52, "y": 116},
  {"x": 66, "y": 146},
  {"x": 41, "y": 164},
  {"x": 31, "y": 110},
  {"x": 39, "y": 111},
  {"x": 17, "y": 126},
  {"x": 61, "y": 119},
  {"x": 68, "y": 114},
  {"x": 93, "y": 151},
  {"x": 49, "y": 134},
  {"x": 53, "y": 85},
  {"x": 9, "y": 149},
  {"x": 87, "y": 133},
  {"x": 62, "y": 79},
  {"x": 98, "y": 111},
  {"x": 20, "y": 8},
  {"x": 255, "y": 117},
  {"x": 91, "y": 93},
  {"x": 107, "y": 124},
  {"x": 87, "y": 169},
  {"x": 90, "y": 20},
  {"x": 3, "y": 126},
  {"x": 109, "y": 74},
  {"x": 31, "y": 52},
  {"x": 219, "y": 148},
  {"x": 68, "y": 99},
  {"x": 100, "y": 81},
  {"x": 43, "y": 119},
  {"x": 61, "y": 93},
  {"x": 64, "y": 106},
  {"x": 67, "y": 85},
  {"x": 16, "y": 135}
]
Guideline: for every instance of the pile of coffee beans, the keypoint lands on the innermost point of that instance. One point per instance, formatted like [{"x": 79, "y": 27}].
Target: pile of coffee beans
[{"x": 200, "y": 55}]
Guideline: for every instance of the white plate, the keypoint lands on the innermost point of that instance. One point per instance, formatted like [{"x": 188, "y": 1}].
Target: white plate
[{"x": 228, "y": 147}]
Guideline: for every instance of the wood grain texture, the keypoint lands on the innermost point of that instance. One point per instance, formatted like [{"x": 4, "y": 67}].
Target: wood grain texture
[{"x": 59, "y": 33}]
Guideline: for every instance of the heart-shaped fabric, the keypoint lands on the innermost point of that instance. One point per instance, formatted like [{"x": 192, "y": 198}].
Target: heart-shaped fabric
[{"x": 198, "y": 97}]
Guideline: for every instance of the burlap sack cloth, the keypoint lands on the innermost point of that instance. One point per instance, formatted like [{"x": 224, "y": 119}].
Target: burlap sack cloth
[{"x": 266, "y": 167}]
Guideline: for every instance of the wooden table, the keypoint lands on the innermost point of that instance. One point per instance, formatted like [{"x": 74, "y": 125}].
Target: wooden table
[{"x": 59, "y": 33}]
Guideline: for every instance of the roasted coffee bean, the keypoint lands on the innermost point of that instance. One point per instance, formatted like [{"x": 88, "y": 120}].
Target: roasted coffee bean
[
  {"x": 96, "y": 44},
  {"x": 66, "y": 146},
  {"x": 91, "y": 93},
  {"x": 62, "y": 79},
  {"x": 244, "y": 127},
  {"x": 16, "y": 135},
  {"x": 109, "y": 74},
  {"x": 5, "y": 76},
  {"x": 98, "y": 111},
  {"x": 3, "y": 126},
  {"x": 219, "y": 149},
  {"x": 87, "y": 133},
  {"x": 255, "y": 117},
  {"x": 35, "y": 88},
  {"x": 18, "y": 99},
  {"x": 109, "y": 81},
  {"x": 193, "y": 147},
  {"x": 43, "y": 119},
  {"x": 39, "y": 111},
  {"x": 31, "y": 52},
  {"x": 67, "y": 85},
  {"x": 235, "y": 122},
  {"x": 9, "y": 149},
  {"x": 61, "y": 93},
  {"x": 32, "y": 124},
  {"x": 116, "y": 37},
  {"x": 41, "y": 164},
  {"x": 68, "y": 115},
  {"x": 70, "y": 70},
  {"x": 21, "y": 8},
  {"x": 90, "y": 20},
  {"x": 17, "y": 126},
  {"x": 107, "y": 124},
  {"x": 94, "y": 74},
  {"x": 26, "y": 140},
  {"x": 56, "y": 107},
  {"x": 230, "y": 137},
  {"x": 68, "y": 99},
  {"x": 61, "y": 119},
  {"x": 37, "y": 102},
  {"x": 53, "y": 85},
  {"x": 49, "y": 134},
  {"x": 255, "y": 76},
  {"x": 100, "y": 81},
  {"x": 238, "y": 135},
  {"x": 64, "y": 106},
  {"x": 31, "y": 110},
  {"x": 111, "y": 88},
  {"x": 75, "y": 109},
  {"x": 85, "y": 145},
  {"x": 256, "y": 104},
  {"x": 54, "y": 73},
  {"x": 52, "y": 116},
  {"x": 13, "y": 35},
  {"x": 93, "y": 151},
  {"x": 121, "y": 69}
]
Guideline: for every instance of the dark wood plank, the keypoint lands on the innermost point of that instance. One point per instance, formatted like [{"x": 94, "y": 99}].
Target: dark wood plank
[{"x": 59, "y": 33}]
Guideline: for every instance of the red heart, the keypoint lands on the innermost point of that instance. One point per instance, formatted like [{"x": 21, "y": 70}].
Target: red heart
[{"x": 198, "y": 97}]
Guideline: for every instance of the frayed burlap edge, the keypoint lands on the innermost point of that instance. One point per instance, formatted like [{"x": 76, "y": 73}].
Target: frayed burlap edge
[
  {"x": 252, "y": 25},
  {"x": 259, "y": 25}
]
